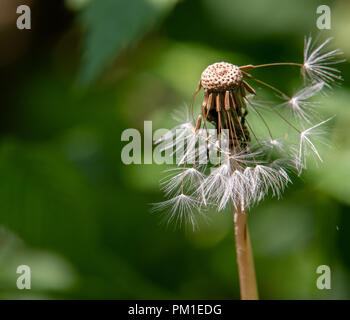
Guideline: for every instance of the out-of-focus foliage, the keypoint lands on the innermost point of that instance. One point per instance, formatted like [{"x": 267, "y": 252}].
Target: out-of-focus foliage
[
  {"x": 81, "y": 219},
  {"x": 112, "y": 25}
]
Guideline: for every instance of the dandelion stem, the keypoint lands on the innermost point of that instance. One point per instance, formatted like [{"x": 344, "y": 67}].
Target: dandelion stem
[{"x": 246, "y": 271}]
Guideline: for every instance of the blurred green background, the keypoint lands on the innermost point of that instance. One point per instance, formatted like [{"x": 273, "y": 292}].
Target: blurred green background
[{"x": 81, "y": 219}]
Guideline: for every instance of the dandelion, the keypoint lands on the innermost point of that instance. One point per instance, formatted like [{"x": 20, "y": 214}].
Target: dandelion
[
  {"x": 183, "y": 178},
  {"x": 318, "y": 61},
  {"x": 183, "y": 208},
  {"x": 306, "y": 145},
  {"x": 299, "y": 104},
  {"x": 230, "y": 165}
]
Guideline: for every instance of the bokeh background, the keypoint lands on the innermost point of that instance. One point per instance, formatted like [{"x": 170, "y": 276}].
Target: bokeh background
[{"x": 80, "y": 218}]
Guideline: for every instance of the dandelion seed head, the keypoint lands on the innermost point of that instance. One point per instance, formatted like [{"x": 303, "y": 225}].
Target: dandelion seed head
[
  {"x": 221, "y": 76},
  {"x": 247, "y": 167}
]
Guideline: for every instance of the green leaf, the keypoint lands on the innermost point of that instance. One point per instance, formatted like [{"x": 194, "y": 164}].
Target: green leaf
[
  {"x": 44, "y": 198},
  {"x": 112, "y": 25}
]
